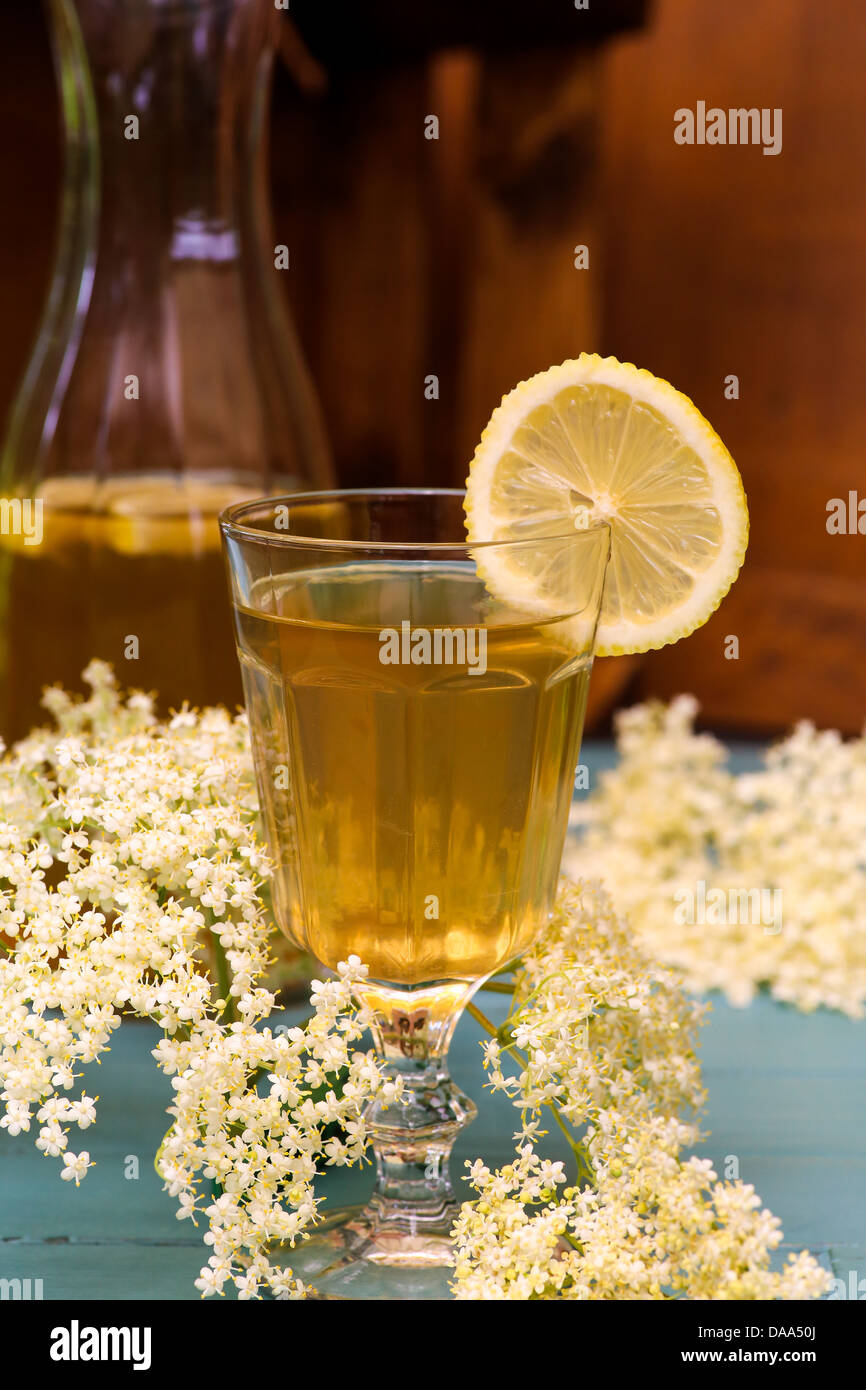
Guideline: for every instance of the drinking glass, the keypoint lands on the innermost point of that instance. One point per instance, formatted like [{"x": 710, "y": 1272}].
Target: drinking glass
[{"x": 416, "y": 704}]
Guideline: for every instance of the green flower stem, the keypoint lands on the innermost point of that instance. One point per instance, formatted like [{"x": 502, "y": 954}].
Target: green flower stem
[
  {"x": 584, "y": 1164},
  {"x": 223, "y": 978},
  {"x": 554, "y": 975},
  {"x": 482, "y": 1020},
  {"x": 585, "y": 1169}
]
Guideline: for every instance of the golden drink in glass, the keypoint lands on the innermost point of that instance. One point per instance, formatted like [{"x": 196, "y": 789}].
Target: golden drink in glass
[
  {"x": 132, "y": 557},
  {"x": 415, "y": 740}
]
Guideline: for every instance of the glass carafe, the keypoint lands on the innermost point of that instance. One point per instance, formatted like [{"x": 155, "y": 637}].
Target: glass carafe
[{"x": 166, "y": 380}]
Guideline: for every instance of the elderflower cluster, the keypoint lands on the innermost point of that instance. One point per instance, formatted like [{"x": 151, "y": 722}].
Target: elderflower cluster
[
  {"x": 605, "y": 1039},
  {"x": 131, "y": 881},
  {"x": 684, "y": 846},
  {"x": 249, "y": 1113}
]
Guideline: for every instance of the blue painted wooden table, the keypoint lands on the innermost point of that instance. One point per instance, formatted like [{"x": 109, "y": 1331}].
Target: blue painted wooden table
[{"x": 787, "y": 1099}]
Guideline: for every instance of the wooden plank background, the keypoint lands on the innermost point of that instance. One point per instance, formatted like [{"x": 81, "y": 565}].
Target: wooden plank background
[
  {"x": 722, "y": 260},
  {"x": 455, "y": 257}
]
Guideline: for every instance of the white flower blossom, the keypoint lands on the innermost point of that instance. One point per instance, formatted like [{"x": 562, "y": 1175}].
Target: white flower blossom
[
  {"x": 156, "y": 828},
  {"x": 672, "y": 816},
  {"x": 611, "y": 1041},
  {"x": 75, "y": 1166},
  {"x": 132, "y": 879}
]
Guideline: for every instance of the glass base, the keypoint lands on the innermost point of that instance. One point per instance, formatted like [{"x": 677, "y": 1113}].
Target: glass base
[
  {"x": 354, "y": 1256},
  {"x": 398, "y": 1246}
]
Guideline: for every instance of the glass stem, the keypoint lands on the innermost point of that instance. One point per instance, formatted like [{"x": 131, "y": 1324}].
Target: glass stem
[{"x": 413, "y": 1205}]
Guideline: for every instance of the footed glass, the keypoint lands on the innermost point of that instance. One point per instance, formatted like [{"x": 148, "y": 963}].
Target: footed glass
[{"x": 415, "y": 736}]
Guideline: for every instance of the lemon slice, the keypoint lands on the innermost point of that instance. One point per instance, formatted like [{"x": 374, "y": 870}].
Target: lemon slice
[
  {"x": 600, "y": 440},
  {"x": 64, "y": 505},
  {"x": 130, "y": 514},
  {"x": 156, "y": 516}
]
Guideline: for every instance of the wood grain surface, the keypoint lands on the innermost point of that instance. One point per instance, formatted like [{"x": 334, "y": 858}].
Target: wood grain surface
[{"x": 454, "y": 258}]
